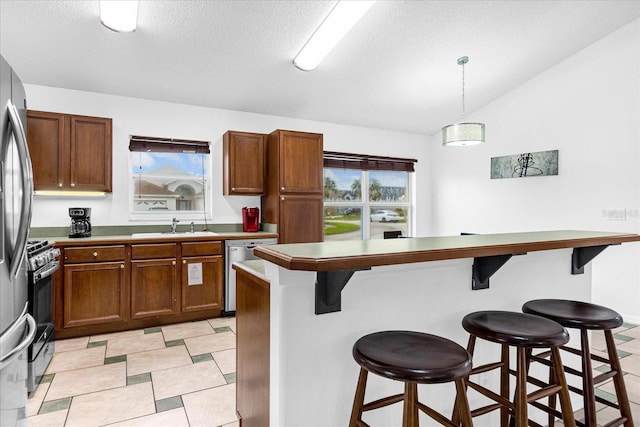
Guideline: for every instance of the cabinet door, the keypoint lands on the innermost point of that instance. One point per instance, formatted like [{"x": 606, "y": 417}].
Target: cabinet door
[
  {"x": 46, "y": 141},
  {"x": 301, "y": 219},
  {"x": 301, "y": 162},
  {"x": 94, "y": 293},
  {"x": 90, "y": 154},
  {"x": 154, "y": 290},
  {"x": 244, "y": 163},
  {"x": 202, "y": 282}
]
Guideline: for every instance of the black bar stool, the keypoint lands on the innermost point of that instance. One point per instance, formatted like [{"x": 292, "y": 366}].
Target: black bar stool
[
  {"x": 585, "y": 317},
  {"x": 525, "y": 332},
  {"x": 413, "y": 358}
]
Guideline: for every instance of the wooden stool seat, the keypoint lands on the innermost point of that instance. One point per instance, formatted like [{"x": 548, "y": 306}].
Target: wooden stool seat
[
  {"x": 586, "y": 316},
  {"x": 575, "y": 314},
  {"x": 413, "y": 358},
  {"x": 525, "y": 332},
  {"x": 515, "y": 329}
]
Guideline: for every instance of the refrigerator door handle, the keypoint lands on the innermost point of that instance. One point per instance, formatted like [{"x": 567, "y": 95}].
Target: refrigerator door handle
[
  {"x": 27, "y": 189},
  {"x": 15, "y": 353}
]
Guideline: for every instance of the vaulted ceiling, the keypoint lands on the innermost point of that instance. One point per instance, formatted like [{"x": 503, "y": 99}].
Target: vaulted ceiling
[{"x": 395, "y": 70}]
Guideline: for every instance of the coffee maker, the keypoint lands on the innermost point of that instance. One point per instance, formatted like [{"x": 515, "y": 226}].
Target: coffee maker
[{"x": 80, "y": 222}]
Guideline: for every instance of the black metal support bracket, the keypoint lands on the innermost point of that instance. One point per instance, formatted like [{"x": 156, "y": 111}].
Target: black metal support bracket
[
  {"x": 329, "y": 286},
  {"x": 582, "y": 257},
  {"x": 485, "y": 267}
]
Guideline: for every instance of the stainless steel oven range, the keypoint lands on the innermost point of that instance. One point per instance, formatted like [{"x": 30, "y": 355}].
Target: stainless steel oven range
[{"x": 42, "y": 263}]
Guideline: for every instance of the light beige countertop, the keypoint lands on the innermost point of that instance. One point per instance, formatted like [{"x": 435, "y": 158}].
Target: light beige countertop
[
  {"x": 347, "y": 255},
  {"x": 155, "y": 237}
]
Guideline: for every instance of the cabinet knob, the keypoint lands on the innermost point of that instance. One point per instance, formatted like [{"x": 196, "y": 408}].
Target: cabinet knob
[
  {"x": 173, "y": 263},
  {"x": 121, "y": 265},
  {"x": 233, "y": 188},
  {"x": 95, "y": 254},
  {"x": 184, "y": 261},
  {"x": 59, "y": 185},
  {"x": 282, "y": 198},
  {"x": 72, "y": 185},
  {"x": 281, "y": 188}
]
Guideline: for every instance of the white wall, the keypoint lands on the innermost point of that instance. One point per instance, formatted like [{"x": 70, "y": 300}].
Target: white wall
[
  {"x": 162, "y": 119},
  {"x": 587, "y": 107}
]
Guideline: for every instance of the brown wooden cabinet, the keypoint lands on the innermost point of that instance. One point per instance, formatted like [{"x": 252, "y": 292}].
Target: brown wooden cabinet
[
  {"x": 70, "y": 152},
  {"x": 154, "y": 280},
  {"x": 294, "y": 197},
  {"x": 95, "y": 287},
  {"x": 113, "y": 287},
  {"x": 244, "y": 163}
]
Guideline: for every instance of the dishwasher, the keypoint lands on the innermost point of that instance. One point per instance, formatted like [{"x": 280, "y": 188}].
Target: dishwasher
[{"x": 238, "y": 250}]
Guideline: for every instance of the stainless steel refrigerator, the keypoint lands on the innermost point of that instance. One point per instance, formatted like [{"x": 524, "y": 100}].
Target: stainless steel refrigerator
[{"x": 17, "y": 327}]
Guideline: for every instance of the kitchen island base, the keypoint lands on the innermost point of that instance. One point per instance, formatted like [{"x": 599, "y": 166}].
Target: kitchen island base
[{"x": 311, "y": 374}]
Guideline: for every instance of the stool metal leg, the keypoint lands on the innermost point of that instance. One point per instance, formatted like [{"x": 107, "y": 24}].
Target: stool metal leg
[
  {"x": 358, "y": 401},
  {"x": 618, "y": 381}
]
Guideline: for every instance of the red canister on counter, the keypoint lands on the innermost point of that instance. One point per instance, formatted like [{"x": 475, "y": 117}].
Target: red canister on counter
[{"x": 250, "y": 219}]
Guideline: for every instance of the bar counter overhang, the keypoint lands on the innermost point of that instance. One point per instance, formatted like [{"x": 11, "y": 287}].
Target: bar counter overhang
[{"x": 303, "y": 308}]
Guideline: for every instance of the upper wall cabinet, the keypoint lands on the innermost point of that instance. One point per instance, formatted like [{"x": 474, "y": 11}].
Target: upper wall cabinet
[
  {"x": 294, "y": 196},
  {"x": 70, "y": 152},
  {"x": 244, "y": 165}
]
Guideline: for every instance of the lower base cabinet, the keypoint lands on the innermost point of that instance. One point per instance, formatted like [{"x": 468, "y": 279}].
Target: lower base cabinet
[
  {"x": 114, "y": 288},
  {"x": 201, "y": 277},
  {"x": 153, "y": 288},
  {"x": 94, "y": 294}
]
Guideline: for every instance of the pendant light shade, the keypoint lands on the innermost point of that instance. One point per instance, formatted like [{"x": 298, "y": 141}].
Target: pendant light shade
[{"x": 462, "y": 134}]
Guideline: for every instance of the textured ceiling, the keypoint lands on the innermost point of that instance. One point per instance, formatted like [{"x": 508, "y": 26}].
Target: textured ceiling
[{"x": 395, "y": 70}]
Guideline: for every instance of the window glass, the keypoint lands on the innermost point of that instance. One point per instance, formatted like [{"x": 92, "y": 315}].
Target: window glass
[
  {"x": 343, "y": 185},
  {"x": 169, "y": 182},
  {"x": 388, "y": 218},
  {"x": 388, "y": 186},
  {"x": 343, "y": 223},
  {"x": 350, "y": 214}
]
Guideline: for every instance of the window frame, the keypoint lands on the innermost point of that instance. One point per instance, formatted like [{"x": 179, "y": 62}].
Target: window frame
[
  {"x": 176, "y": 146},
  {"x": 367, "y": 164}
]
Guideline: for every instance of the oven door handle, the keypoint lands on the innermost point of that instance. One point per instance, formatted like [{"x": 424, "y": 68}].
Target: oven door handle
[
  {"x": 15, "y": 353},
  {"x": 48, "y": 271}
]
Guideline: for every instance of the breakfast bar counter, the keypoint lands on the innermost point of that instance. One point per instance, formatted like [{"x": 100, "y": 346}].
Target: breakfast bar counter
[{"x": 301, "y": 310}]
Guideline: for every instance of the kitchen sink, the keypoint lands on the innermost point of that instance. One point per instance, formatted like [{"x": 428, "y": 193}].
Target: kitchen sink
[{"x": 169, "y": 234}]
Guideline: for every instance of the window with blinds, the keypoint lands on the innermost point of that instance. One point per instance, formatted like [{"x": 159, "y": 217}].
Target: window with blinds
[
  {"x": 169, "y": 176},
  {"x": 366, "y": 196}
]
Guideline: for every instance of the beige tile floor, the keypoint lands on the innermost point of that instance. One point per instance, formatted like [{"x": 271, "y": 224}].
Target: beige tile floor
[
  {"x": 184, "y": 375},
  {"x": 177, "y": 375}
]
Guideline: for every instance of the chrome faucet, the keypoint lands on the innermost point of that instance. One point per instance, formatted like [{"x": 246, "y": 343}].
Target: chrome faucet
[
  {"x": 174, "y": 223},
  {"x": 192, "y": 227}
]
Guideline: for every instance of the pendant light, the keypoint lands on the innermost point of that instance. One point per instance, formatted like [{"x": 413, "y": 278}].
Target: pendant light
[{"x": 461, "y": 134}]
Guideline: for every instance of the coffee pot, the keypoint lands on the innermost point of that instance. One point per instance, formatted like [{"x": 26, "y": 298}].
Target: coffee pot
[{"x": 80, "y": 222}]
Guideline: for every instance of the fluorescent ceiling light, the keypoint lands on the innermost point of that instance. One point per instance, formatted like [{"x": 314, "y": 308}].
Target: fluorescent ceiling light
[
  {"x": 119, "y": 15},
  {"x": 340, "y": 20}
]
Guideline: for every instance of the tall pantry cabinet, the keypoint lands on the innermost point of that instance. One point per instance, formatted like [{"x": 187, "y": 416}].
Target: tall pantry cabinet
[{"x": 294, "y": 199}]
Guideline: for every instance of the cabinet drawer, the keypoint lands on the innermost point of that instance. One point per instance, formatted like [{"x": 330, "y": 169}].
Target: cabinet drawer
[
  {"x": 150, "y": 251},
  {"x": 201, "y": 248},
  {"x": 94, "y": 254}
]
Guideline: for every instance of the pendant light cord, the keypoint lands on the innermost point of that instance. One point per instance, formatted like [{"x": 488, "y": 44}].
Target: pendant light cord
[{"x": 461, "y": 61}]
